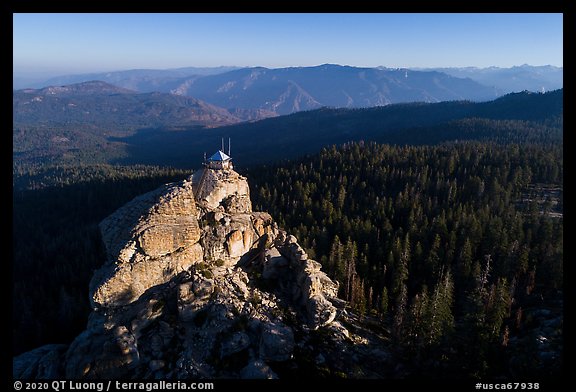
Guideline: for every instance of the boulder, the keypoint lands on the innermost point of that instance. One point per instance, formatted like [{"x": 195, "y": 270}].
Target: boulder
[
  {"x": 320, "y": 311},
  {"x": 276, "y": 342},
  {"x": 224, "y": 188},
  {"x": 236, "y": 343}
]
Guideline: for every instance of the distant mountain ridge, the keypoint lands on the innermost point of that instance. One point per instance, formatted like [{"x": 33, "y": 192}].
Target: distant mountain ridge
[
  {"x": 142, "y": 80},
  {"x": 84, "y": 88},
  {"x": 267, "y": 92},
  {"x": 101, "y": 104},
  {"x": 519, "y": 78},
  {"x": 289, "y": 90}
]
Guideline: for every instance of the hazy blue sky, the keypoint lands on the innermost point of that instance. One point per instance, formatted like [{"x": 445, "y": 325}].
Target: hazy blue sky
[{"x": 76, "y": 43}]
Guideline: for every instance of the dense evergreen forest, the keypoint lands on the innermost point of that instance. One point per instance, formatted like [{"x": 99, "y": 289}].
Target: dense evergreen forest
[{"x": 455, "y": 248}]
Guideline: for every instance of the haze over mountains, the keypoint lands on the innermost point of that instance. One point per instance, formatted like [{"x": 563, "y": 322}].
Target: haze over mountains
[
  {"x": 264, "y": 92},
  {"x": 143, "y": 80},
  {"x": 518, "y": 78}
]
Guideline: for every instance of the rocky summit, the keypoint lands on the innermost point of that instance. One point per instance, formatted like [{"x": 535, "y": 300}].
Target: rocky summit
[{"x": 197, "y": 285}]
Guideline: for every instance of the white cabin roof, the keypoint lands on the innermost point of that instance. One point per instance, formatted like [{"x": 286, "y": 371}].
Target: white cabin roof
[{"x": 219, "y": 156}]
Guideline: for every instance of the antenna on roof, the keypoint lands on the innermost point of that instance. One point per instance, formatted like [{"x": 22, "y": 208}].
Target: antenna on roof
[
  {"x": 222, "y": 145},
  {"x": 228, "y": 146}
]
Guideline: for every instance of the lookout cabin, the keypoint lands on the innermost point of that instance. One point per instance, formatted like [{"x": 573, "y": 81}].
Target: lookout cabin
[{"x": 219, "y": 161}]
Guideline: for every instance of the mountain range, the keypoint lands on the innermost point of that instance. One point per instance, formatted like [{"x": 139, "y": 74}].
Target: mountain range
[
  {"x": 98, "y": 122},
  {"x": 289, "y": 90},
  {"x": 266, "y": 92}
]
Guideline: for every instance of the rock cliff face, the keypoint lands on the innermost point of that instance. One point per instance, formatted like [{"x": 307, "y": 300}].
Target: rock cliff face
[
  {"x": 148, "y": 241},
  {"x": 196, "y": 285}
]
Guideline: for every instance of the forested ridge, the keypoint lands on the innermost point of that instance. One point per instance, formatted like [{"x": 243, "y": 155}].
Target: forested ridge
[
  {"x": 440, "y": 243},
  {"x": 519, "y": 117}
]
